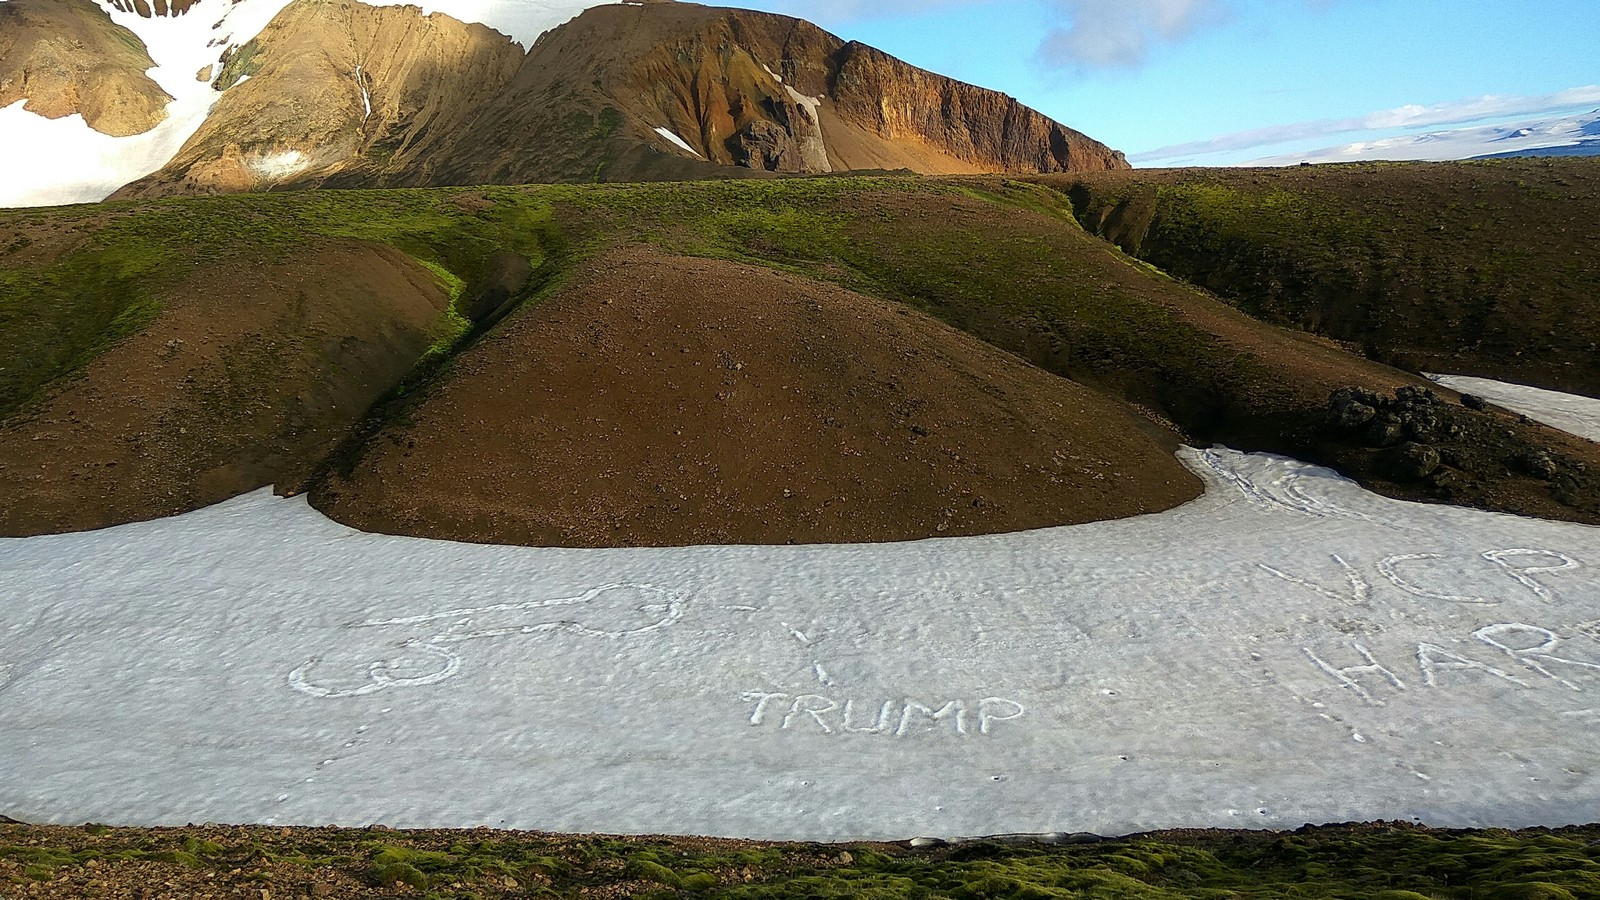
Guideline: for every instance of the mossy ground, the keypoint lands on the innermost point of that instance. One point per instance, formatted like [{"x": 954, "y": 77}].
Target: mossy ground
[
  {"x": 869, "y": 234},
  {"x": 1488, "y": 266},
  {"x": 1346, "y": 254},
  {"x": 1390, "y": 862}
]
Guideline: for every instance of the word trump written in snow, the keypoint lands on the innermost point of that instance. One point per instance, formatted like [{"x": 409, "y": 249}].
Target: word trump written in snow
[
  {"x": 899, "y": 718},
  {"x": 1515, "y": 653}
]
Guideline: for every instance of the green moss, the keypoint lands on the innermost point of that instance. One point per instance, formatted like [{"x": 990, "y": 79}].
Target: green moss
[
  {"x": 401, "y": 873},
  {"x": 642, "y": 867},
  {"x": 242, "y": 63},
  {"x": 699, "y": 881}
]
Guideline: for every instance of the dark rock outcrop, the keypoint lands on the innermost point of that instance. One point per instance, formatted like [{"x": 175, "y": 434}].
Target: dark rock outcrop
[{"x": 1450, "y": 450}]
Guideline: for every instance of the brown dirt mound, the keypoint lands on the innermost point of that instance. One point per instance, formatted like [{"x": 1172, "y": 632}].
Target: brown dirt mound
[
  {"x": 250, "y": 374},
  {"x": 665, "y": 401}
]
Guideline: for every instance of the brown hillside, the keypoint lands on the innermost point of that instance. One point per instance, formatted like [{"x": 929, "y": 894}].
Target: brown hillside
[
  {"x": 751, "y": 93},
  {"x": 250, "y": 374},
  {"x": 663, "y": 400},
  {"x": 753, "y": 90},
  {"x": 67, "y": 56},
  {"x": 302, "y": 115}
]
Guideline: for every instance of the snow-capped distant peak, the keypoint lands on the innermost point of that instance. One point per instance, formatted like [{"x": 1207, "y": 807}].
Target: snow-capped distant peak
[{"x": 1564, "y": 135}]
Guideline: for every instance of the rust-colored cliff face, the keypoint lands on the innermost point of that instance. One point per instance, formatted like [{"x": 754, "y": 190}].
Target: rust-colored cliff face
[
  {"x": 343, "y": 94},
  {"x": 895, "y": 101},
  {"x": 762, "y": 92},
  {"x": 67, "y": 56}
]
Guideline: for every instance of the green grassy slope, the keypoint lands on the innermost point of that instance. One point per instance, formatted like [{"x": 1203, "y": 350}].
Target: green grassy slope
[
  {"x": 1378, "y": 862},
  {"x": 1489, "y": 268},
  {"x": 1001, "y": 258}
]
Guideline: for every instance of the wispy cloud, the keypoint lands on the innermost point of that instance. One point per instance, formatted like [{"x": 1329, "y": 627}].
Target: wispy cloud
[
  {"x": 1121, "y": 33},
  {"x": 1082, "y": 34},
  {"x": 829, "y": 12},
  {"x": 1408, "y": 116}
]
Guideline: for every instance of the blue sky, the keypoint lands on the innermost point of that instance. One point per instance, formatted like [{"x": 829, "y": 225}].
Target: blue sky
[{"x": 1226, "y": 81}]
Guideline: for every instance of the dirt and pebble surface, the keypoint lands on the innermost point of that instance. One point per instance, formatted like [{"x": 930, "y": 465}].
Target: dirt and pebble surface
[
  {"x": 662, "y": 400},
  {"x": 1389, "y": 861},
  {"x": 250, "y": 372}
]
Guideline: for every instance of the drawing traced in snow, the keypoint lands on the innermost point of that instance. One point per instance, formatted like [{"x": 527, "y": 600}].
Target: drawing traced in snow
[
  {"x": 1289, "y": 648},
  {"x": 615, "y": 610}
]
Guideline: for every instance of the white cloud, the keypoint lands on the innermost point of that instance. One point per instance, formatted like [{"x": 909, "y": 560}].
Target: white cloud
[
  {"x": 1089, "y": 34},
  {"x": 832, "y": 12},
  {"x": 1121, "y": 33},
  {"x": 1409, "y": 116}
]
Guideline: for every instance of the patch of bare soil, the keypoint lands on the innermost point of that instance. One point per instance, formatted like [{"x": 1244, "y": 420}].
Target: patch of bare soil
[
  {"x": 666, "y": 401},
  {"x": 248, "y": 377}
]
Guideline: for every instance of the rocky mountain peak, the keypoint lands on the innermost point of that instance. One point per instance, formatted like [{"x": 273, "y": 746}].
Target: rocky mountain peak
[
  {"x": 356, "y": 93},
  {"x": 152, "y": 8}
]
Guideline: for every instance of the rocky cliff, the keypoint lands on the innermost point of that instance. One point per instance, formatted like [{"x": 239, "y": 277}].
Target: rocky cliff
[
  {"x": 762, "y": 92},
  {"x": 339, "y": 87},
  {"x": 67, "y": 56},
  {"x": 338, "y": 93}
]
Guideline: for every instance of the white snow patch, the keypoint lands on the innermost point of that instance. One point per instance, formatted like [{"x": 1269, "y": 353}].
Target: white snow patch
[
  {"x": 274, "y": 166},
  {"x": 813, "y": 147},
  {"x": 812, "y": 105},
  {"x": 775, "y": 75},
  {"x": 46, "y": 163},
  {"x": 1568, "y": 412},
  {"x": 672, "y": 136},
  {"x": 523, "y": 20},
  {"x": 366, "y": 95},
  {"x": 1290, "y": 647}
]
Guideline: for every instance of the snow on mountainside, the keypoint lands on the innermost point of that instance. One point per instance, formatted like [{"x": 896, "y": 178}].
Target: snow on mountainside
[
  {"x": 69, "y": 162},
  {"x": 1570, "y": 135}
]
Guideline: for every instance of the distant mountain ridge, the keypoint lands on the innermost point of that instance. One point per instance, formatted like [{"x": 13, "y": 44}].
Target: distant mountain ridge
[
  {"x": 1572, "y": 134},
  {"x": 273, "y": 94}
]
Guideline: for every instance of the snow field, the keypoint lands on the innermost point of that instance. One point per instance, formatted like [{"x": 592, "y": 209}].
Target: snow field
[
  {"x": 1289, "y": 648},
  {"x": 1551, "y": 133},
  {"x": 1568, "y": 412}
]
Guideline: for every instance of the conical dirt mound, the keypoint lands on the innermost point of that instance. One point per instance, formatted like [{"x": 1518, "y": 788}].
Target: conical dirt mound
[{"x": 667, "y": 401}]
